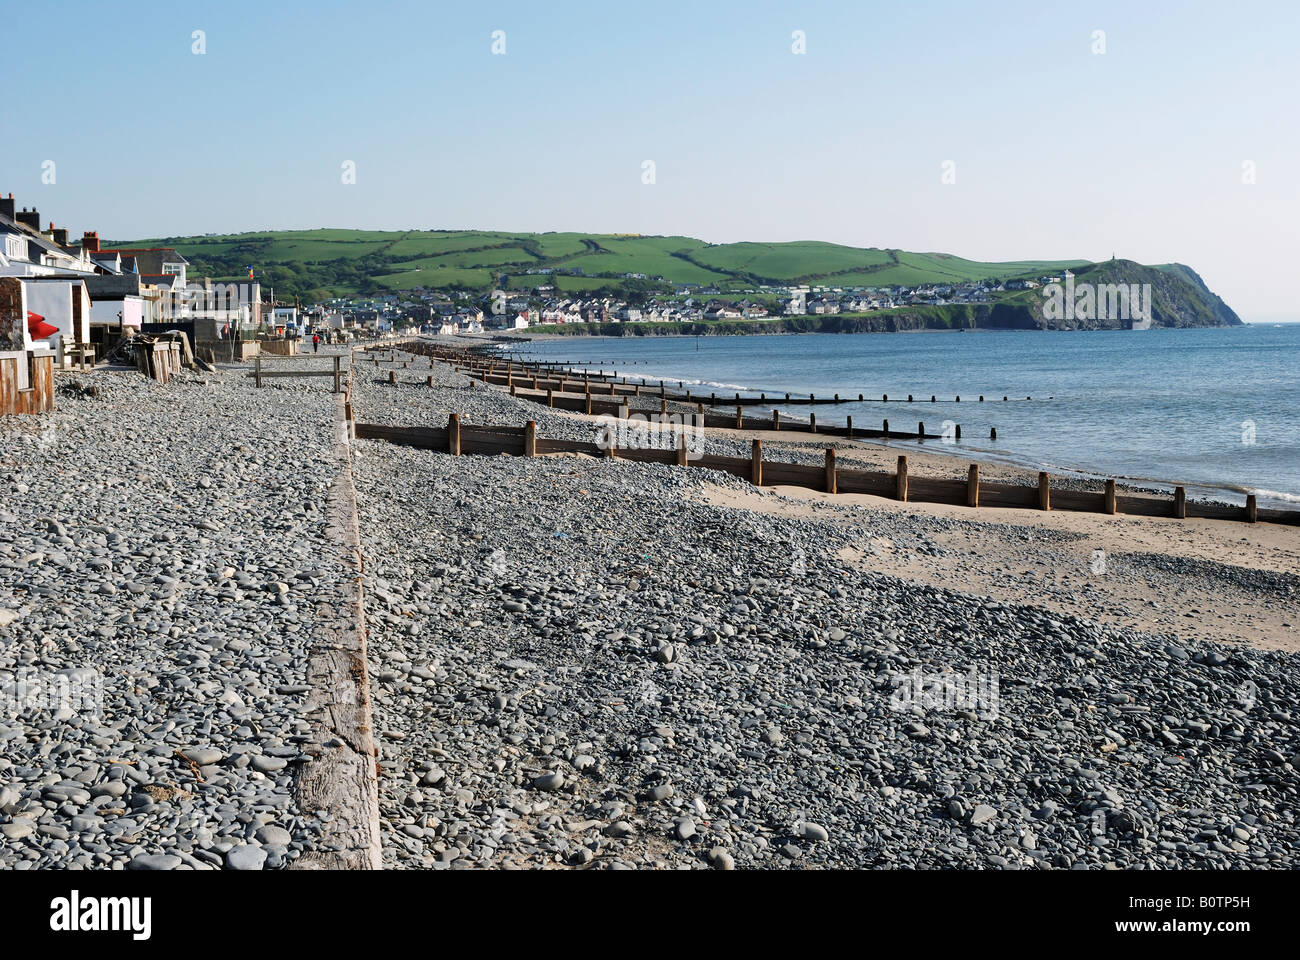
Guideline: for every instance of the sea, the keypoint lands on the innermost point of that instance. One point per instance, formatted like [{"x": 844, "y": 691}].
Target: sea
[{"x": 1215, "y": 410}]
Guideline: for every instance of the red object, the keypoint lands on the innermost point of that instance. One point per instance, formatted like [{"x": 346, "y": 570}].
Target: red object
[{"x": 38, "y": 328}]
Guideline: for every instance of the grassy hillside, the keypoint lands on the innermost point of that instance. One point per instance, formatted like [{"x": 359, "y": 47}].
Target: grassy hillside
[{"x": 319, "y": 263}]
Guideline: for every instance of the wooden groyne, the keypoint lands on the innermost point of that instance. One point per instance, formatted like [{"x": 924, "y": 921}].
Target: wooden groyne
[
  {"x": 969, "y": 491},
  {"x": 547, "y": 376},
  {"x": 463, "y": 439}
]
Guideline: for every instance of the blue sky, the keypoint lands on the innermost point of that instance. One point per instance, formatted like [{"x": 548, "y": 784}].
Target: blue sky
[{"x": 1058, "y": 151}]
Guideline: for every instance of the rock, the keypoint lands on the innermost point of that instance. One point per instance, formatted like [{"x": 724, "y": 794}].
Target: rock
[
  {"x": 204, "y": 756},
  {"x": 17, "y": 829},
  {"x": 274, "y": 835},
  {"x": 549, "y": 781},
  {"x": 811, "y": 831},
  {"x": 721, "y": 859},
  {"x": 155, "y": 861},
  {"x": 245, "y": 857}
]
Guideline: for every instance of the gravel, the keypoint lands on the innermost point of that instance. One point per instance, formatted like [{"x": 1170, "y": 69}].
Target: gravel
[
  {"x": 164, "y": 545},
  {"x": 577, "y": 663}
]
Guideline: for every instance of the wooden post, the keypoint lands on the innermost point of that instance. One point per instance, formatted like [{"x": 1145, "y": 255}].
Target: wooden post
[
  {"x": 429, "y": 381},
  {"x": 886, "y": 429},
  {"x": 1044, "y": 491},
  {"x": 849, "y": 428},
  {"x": 920, "y": 430},
  {"x": 756, "y": 463},
  {"x": 1109, "y": 504},
  {"x": 831, "y": 479},
  {"x": 338, "y": 383},
  {"x": 993, "y": 433},
  {"x": 1180, "y": 503},
  {"x": 740, "y": 419},
  {"x": 957, "y": 434},
  {"x": 663, "y": 405},
  {"x": 392, "y": 376},
  {"x": 812, "y": 421},
  {"x": 776, "y": 419},
  {"x": 1252, "y": 509},
  {"x": 900, "y": 480},
  {"x": 257, "y": 368},
  {"x": 681, "y": 450},
  {"x": 453, "y": 434},
  {"x": 588, "y": 403},
  {"x": 530, "y": 438},
  {"x": 973, "y": 486},
  {"x": 550, "y": 397}
]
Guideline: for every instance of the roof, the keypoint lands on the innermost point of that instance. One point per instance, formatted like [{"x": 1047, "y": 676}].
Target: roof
[{"x": 150, "y": 259}]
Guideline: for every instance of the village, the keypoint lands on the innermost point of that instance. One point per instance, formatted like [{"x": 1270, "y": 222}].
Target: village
[{"x": 462, "y": 312}]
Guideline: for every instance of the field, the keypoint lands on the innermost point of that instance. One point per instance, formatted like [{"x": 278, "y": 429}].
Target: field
[{"x": 316, "y": 263}]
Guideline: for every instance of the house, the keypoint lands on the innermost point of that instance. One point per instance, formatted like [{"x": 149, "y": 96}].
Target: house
[
  {"x": 26, "y": 365},
  {"x": 162, "y": 274}
]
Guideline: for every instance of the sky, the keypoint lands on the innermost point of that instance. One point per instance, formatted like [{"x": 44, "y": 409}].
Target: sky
[{"x": 1154, "y": 131}]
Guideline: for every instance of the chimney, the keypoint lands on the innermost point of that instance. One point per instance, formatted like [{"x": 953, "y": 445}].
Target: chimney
[
  {"x": 60, "y": 235},
  {"x": 29, "y": 218},
  {"x": 90, "y": 241},
  {"x": 7, "y": 206}
]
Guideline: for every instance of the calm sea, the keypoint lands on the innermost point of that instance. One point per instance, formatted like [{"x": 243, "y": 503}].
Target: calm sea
[{"x": 1217, "y": 410}]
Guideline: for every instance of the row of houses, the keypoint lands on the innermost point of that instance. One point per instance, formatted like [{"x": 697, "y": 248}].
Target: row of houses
[{"x": 88, "y": 296}]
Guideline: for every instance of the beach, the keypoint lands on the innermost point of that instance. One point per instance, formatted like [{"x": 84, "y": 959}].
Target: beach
[
  {"x": 580, "y": 662},
  {"x": 593, "y": 662}
]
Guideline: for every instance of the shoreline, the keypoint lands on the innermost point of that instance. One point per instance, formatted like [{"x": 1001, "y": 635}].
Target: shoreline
[
  {"x": 602, "y": 663},
  {"x": 1229, "y": 493}
]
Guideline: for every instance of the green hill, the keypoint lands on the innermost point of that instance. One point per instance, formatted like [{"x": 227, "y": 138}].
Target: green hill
[{"x": 317, "y": 263}]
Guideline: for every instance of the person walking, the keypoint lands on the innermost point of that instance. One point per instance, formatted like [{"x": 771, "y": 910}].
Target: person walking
[{"x": 315, "y": 343}]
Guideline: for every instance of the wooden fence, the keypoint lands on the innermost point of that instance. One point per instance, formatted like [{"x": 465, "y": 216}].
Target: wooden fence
[
  {"x": 259, "y": 374},
  {"x": 38, "y": 395},
  {"x": 461, "y": 439},
  {"x": 544, "y": 376}
]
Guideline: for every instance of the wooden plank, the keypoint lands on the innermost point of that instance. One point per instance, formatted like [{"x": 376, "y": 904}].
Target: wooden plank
[
  {"x": 876, "y": 484},
  {"x": 646, "y": 455},
  {"x": 777, "y": 473},
  {"x": 1144, "y": 506},
  {"x": 491, "y": 445},
  {"x": 545, "y": 446},
  {"x": 1081, "y": 501},
  {"x": 737, "y": 466},
  {"x": 342, "y": 778},
  {"x": 1008, "y": 495},
  {"x": 936, "y": 490}
]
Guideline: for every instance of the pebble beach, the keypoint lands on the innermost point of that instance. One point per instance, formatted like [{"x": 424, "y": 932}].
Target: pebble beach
[{"x": 602, "y": 664}]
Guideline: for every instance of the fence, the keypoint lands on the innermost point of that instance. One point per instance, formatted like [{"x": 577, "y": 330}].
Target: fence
[
  {"x": 461, "y": 439},
  {"x": 259, "y": 374},
  {"x": 26, "y": 391}
]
